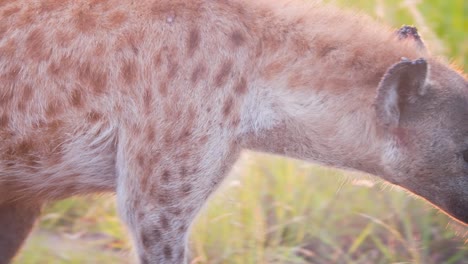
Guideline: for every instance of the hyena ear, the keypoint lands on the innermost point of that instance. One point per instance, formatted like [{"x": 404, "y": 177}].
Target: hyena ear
[
  {"x": 409, "y": 32},
  {"x": 402, "y": 84}
]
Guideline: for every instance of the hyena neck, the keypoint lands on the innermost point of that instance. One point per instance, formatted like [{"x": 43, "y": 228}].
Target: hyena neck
[{"x": 315, "y": 91}]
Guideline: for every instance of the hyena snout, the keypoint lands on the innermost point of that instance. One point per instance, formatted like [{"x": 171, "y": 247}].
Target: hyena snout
[
  {"x": 458, "y": 208},
  {"x": 451, "y": 198}
]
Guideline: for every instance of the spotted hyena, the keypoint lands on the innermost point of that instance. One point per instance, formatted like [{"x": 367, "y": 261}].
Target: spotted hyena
[{"x": 154, "y": 100}]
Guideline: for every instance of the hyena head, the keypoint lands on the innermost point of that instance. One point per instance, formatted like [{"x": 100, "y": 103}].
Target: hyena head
[{"x": 422, "y": 110}]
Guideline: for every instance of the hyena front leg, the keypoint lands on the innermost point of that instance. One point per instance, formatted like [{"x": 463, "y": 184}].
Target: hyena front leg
[
  {"x": 160, "y": 193},
  {"x": 16, "y": 221}
]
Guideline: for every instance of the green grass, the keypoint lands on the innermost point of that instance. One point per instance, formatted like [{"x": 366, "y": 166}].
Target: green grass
[
  {"x": 281, "y": 211},
  {"x": 275, "y": 210}
]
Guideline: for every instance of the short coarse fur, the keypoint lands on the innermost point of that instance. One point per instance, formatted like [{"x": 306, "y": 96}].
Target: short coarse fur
[{"x": 154, "y": 100}]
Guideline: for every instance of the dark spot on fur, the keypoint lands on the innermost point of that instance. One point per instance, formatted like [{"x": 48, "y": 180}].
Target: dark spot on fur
[
  {"x": 24, "y": 148},
  {"x": 85, "y": 21},
  {"x": 193, "y": 41},
  {"x": 93, "y": 116},
  {"x": 182, "y": 228},
  {"x": 175, "y": 211},
  {"x": 237, "y": 38},
  {"x": 157, "y": 235},
  {"x": 163, "y": 89},
  {"x": 173, "y": 68},
  {"x": 325, "y": 50},
  {"x": 11, "y": 11},
  {"x": 27, "y": 93},
  {"x": 164, "y": 222},
  {"x": 227, "y": 106},
  {"x": 4, "y": 120},
  {"x": 197, "y": 73},
  {"x": 165, "y": 176},
  {"x": 145, "y": 241},
  {"x": 76, "y": 98},
  {"x": 241, "y": 87},
  {"x": 36, "y": 47},
  {"x": 148, "y": 100},
  {"x": 129, "y": 72},
  {"x": 183, "y": 171},
  {"x": 186, "y": 189},
  {"x": 163, "y": 197},
  {"x": 167, "y": 251},
  {"x": 150, "y": 134},
  {"x": 223, "y": 73}
]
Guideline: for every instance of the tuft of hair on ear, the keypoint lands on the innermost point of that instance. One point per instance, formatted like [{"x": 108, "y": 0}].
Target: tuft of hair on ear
[
  {"x": 411, "y": 32},
  {"x": 402, "y": 84}
]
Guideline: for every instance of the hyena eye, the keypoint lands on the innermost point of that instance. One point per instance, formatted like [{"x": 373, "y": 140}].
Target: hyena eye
[{"x": 465, "y": 155}]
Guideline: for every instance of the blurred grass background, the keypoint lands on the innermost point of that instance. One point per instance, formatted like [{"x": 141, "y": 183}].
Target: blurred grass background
[{"x": 276, "y": 210}]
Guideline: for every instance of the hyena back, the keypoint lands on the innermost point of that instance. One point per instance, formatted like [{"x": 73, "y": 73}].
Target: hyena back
[{"x": 154, "y": 100}]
